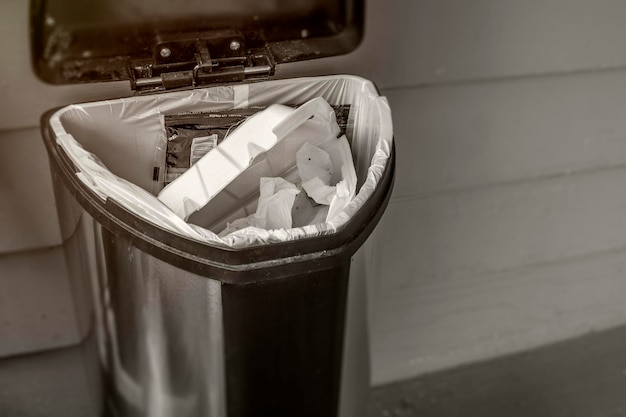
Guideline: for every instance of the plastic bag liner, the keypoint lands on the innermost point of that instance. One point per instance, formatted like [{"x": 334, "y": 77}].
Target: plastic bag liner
[{"x": 113, "y": 143}]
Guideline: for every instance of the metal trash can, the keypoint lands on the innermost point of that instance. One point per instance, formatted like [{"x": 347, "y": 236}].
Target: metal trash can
[{"x": 187, "y": 328}]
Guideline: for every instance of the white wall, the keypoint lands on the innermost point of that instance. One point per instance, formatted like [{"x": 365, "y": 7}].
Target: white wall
[{"x": 507, "y": 225}]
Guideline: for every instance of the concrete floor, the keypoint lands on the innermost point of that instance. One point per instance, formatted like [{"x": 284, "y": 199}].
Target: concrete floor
[{"x": 583, "y": 377}]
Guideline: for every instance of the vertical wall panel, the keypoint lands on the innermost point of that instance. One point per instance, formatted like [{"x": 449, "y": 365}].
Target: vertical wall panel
[{"x": 28, "y": 217}]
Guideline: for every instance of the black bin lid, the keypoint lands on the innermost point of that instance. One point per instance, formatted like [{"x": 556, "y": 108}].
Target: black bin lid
[{"x": 76, "y": 41}]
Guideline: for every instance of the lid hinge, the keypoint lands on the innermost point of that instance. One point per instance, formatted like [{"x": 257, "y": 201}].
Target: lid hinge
[{"x": 196, "y": 62}]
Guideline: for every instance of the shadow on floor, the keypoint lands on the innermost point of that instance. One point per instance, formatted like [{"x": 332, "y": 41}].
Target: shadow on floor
[{"x": 584, "y": 377}]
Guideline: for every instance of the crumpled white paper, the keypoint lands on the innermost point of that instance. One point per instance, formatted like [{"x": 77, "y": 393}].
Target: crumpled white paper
[
  {"x": 328, "y": 174},
  {"x": 276, "y": 207},
  {"x": 344, "y": 175},
  {"x": 316, "y": 170}
]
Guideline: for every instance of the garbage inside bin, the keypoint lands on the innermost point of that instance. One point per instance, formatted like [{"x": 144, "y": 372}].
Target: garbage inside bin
[
  {"x": 277, "y": 200},
  {"x": 272, "y": 143},
  {"x": 264, "y": 145},
  {"x": 95, "y": 135}
]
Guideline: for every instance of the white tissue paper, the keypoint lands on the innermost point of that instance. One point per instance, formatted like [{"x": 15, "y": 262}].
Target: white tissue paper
[
  {"x": 277, "y": 207},
  {"x": 344, "y": 175},
  {"x": 328, "y": 174},
  {"x": 274, "y": 209},
  {"x": 316, "y": 170}
]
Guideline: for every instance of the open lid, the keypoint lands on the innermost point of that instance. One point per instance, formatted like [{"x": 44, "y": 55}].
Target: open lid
[{"x": 184, "y": 43}]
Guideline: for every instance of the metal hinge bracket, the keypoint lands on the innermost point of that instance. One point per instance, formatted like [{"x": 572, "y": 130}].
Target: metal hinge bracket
[{"x": 202, "y": 60}]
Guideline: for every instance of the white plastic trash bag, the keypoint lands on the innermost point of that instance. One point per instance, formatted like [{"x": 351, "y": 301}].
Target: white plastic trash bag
[{"x": 113, "y": 145}]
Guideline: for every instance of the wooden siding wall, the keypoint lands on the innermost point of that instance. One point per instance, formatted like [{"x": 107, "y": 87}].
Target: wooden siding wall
[{"x": 507, "y": 227}]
